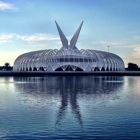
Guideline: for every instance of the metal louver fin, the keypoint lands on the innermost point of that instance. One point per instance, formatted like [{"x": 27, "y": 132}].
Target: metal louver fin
[
  {"x": 75, "y": 37},
  {"x": 62, "y": 36}
]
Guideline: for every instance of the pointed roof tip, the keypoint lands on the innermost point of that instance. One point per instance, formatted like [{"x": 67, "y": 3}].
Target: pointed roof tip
[
  {"x": 76, "y": 35},
  {"x": 62, "y": 36},
  {"x": 82, "y": 22},
  {"x": 56, "y": 23},
  {"x": 64, "y": 39}
]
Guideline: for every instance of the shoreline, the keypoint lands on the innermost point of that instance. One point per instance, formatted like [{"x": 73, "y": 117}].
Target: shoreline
[{"x": 68, "y": 73}]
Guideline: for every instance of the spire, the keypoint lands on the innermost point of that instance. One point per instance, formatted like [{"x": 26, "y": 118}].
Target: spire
[
  {"x": 62, "y": 36},
  {"x": 75, "y": 37}
]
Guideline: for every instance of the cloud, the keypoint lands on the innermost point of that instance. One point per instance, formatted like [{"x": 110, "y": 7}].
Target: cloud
[
  {"x": 38, "y": 45},
  {"x": 7, "y": 6},
  {"x": 108, "y": 43},
  {"x": 38, "y": 37},
  {"x": 112, "y": 43},
  {"x": 133, "y": 46},
  {"x": 132, "y": 32},
  {"x": 59, "y": 42},
  {"x": 124, "y": 44},
  {"x": 4, "y": 38},
  {"x": 136, "y": 37},
  {"x": 136, "y": 53}
]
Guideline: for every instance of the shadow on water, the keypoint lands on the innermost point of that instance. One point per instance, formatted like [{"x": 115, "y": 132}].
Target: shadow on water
[{"x": 68, "y": 90}]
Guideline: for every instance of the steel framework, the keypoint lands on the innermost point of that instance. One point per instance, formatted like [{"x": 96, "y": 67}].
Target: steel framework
[{"x": 68, "y": 58}]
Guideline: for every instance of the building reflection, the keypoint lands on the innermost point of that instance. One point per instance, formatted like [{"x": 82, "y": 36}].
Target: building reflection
[
  {"x": 69, "y": 97},
  {"x": 68, "y": 89}
]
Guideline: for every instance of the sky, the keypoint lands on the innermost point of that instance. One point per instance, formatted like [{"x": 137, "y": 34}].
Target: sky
[{"x": 29, "y": 25}]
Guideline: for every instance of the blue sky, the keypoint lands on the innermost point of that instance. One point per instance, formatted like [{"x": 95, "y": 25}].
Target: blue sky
[{"x": 28, "y": 25}]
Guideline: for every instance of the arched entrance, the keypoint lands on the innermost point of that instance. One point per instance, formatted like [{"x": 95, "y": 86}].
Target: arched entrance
[{"x": 69, "y": 68}]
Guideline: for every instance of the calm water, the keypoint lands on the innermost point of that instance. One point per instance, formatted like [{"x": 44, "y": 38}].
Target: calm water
[{"x": 70, "y": 107}]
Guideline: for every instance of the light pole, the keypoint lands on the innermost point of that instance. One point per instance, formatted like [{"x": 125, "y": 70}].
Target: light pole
[{"x": 108, "y": 48}]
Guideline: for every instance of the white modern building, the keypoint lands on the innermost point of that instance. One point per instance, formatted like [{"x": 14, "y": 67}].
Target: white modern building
[{"x": 68, "y": 58}]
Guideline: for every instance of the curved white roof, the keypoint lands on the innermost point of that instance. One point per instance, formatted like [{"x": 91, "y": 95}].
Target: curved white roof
[{"x": 69, "y": 57}]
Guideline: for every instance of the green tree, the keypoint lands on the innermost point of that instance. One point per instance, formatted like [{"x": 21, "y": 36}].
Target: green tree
[
  {"x": 7, "y": 66},
  {"x": 132, "y": 67}
]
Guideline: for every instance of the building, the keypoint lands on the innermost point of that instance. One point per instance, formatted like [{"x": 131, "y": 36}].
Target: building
[{"x": 68, "y": 58}]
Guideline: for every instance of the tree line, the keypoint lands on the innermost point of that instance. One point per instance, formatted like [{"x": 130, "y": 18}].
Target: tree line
[
  {"x": 133, "y": 67},
  {"x": 6, "y": 67}
]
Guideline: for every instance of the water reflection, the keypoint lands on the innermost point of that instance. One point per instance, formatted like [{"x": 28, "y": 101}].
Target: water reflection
[
  {"x": 88, "y": 107},
  {"x": 68, "y": 95},
  {"x": 49, "y": 85},
  {"x": 66, "y": 91}
]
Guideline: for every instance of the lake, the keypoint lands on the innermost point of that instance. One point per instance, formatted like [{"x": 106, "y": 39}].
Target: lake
[{"x": 82, "y": 107}]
